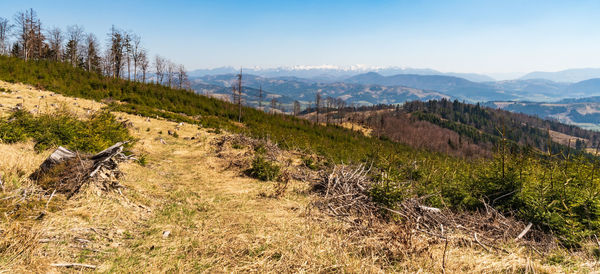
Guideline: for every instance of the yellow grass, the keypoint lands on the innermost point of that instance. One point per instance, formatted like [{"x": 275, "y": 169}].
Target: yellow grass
[{"x": 218, "y": 219}]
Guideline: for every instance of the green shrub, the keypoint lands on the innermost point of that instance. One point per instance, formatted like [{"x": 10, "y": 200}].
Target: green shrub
[
  {"x": 62, "y": 128},
  {"x": 387, "y": 194},
  {"x": 263, "y": 169},
  {"x": 142, "y": 160}
]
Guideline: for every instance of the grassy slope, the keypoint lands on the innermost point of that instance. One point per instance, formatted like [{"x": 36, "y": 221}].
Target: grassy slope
[
  {"x": 335, "y": 142},
  {"x": 218, "y": 219}
]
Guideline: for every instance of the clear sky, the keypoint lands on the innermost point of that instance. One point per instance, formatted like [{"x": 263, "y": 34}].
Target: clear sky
[{"x": 458, "y": 36}]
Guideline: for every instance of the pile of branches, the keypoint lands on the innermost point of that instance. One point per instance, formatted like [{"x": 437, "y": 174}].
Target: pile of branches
[
  {"x": 271, "y": 149},
  {"x": 486, "y": 225},
  {"x": 66, "y": 171},
  {"x": 344, "y": 193},
  {"x": 241, "y": 159}
]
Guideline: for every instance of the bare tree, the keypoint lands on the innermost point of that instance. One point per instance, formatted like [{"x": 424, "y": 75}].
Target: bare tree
[
  {"x": 106, "y": 63},
  {"x": 28, "y": 34},
  {"x": 341, "y": 107},
  {"x": 159, "y": 66},
  {"x": 260, "y": 97},
  {"x": 273, "y": 105},
  {"x": 318, "y": 104},
  {"x": 5, "y": 28},
  {"x": 237, "y": 94},
  {"x": 136, "y": 50},
  {"x": 170, "y": 74},
  {"x": 55, "y": 41},
  {"x": 91, "y": 50},
  {"x": 143, "y": 63},
  {"x": 116, "y": 51},
  {"x": 182, "y": 77},
  {"x": 296, "y": 108},
  {"x": 328, "y": 105},
  {"x": 74, "y": 40},
  {"x": 127, "y": 37}
]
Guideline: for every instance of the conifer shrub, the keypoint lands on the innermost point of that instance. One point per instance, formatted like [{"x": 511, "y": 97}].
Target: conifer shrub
[
  {"x": 263, "y": 169},
  {"x": 63, "y": 128}
]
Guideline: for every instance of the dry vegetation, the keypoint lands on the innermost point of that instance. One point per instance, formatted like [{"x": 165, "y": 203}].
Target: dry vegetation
[{"x": 191, "y": 208}]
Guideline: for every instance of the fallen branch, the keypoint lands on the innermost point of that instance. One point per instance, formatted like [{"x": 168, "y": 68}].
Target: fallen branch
[
  {"x": 68, "y": 265},
  {"x": 49, "y": 199},
  {"x": 524, "y": 231},
  {"x": 478, "y": 242},
  {"x": 444, "y": 257}
]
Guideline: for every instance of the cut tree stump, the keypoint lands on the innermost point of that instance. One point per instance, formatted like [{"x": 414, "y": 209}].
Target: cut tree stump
[
  {"x": 76, "y": 169},
  {"x": 60, "y": 155}
]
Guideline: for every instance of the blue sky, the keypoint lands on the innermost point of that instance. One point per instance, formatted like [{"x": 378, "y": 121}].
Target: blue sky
[{"x": 459, "y": 36}]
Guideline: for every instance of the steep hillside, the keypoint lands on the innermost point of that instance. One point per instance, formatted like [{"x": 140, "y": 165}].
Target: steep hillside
[
  {"x": 581, "y": 112},
  {"x": 463, "y": 129}
]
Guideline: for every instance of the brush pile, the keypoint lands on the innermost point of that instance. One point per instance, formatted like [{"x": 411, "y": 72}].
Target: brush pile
[
  {"x": 238, "y": 150},
  {"x": 65, "y": 171},
  {"x": 344, "y": 193}
]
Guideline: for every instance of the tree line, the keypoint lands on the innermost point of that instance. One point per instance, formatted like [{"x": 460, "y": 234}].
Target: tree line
[{"x": 123, "y": 55}]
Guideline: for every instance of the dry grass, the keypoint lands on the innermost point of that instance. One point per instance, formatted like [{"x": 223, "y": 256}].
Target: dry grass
[{"x": 218, "y": 219}]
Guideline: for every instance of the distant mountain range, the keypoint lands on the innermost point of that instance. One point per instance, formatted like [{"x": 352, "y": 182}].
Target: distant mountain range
[
  {"x": 327, "y": 73},
  {"x": 287, "y": 89},
  {"x": 569, "y": 75},
  {"x": 452, "y": 86},
  {"x": 375, "y": 88},
  {"x": 333, "y": 73}
]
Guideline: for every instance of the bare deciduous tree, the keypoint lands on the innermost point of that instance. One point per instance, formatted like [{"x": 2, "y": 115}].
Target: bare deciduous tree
[
  {"x": 136, "y": 50},
  {"x": 127, "y": 46},
  {"x": 160, "y": 67},
  {"x": 5, "y": 28},
  {"x": 55, "y": 41},
  {"x": 260, "y": 97},
  {"x": 296, "y": 108},
  {"x": 236, "y": 88},
  {"x": 28, "y": 34},
  {"x": 273, "y": 105},
  {"x": 144, "y": 64},
  {"x": 318, "y": 104},
  {"x": 91, "y": 50},
  {"x": 74, "y": 40},
  {"x": 116, "y": 51},
  {"x": 170, "y": 74}
]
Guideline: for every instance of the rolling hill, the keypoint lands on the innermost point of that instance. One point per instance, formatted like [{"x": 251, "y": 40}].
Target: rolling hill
[
  {"x": 454, "y": 86},
  {"x": 288, "y": 89},
  {"x": 569, "y": 75}
]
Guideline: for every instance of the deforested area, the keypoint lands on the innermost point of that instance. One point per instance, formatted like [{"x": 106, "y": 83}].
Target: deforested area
[{"x": 113, "y": 160}]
